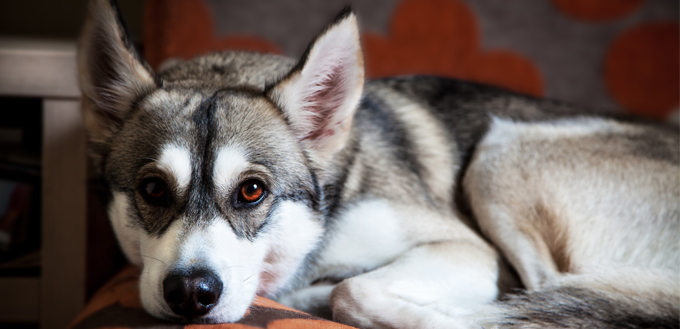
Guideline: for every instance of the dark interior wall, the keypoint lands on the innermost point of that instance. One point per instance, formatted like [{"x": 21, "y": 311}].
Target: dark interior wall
[
  {"x": 63, "y": 20},
  {"x": 58, "y": 19}
]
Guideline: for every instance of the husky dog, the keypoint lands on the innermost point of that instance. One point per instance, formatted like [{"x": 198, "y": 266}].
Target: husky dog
[{"x": 392, "y": 203}]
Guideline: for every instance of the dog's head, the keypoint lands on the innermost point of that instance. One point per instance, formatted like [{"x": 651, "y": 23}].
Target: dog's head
[{"x": 215, "y": 164}]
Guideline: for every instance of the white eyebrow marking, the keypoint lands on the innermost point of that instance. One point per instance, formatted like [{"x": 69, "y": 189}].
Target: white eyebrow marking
[
  {"x": 177, "y": 160},
  {"x": 230, "y": 162}
]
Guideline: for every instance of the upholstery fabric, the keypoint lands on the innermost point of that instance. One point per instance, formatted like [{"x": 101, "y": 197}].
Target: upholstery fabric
[
  {"x": 610, "y": 54},
  {"x": 117, "y": 305}
]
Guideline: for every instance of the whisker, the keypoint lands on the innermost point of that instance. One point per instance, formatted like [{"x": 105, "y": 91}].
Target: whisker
[
  {"x": 147, "y": 158},
  {"x": 236, "y": 266},
  {"x": 248, "y": 278},
  {"x": 155, "y": 259}
]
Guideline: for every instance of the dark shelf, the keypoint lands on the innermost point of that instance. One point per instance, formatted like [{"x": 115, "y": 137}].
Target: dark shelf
[{"x": 21, "y": 121}]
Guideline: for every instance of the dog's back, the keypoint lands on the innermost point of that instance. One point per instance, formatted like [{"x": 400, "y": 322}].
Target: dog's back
[{"x": 584, "y": 204}]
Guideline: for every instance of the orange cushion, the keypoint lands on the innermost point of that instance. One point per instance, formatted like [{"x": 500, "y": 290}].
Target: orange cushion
[{"x": 117, "y": 305}]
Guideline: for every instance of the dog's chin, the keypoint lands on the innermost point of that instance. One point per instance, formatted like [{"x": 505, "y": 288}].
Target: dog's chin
[
  {"x": 226, "y": 313},
  {"x": 234, "y": 314},
  {"x": 200, "y": 320},
  {"x": 204, "y": 319}
]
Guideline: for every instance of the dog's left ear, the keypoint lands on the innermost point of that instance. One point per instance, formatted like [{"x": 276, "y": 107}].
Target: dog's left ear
[
  {"x": 111, "y": 72},
  {"x": 320, "y": 95}
]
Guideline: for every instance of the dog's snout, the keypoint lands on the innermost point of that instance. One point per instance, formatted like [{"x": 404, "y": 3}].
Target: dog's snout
[{"x": 194, "y": 294}]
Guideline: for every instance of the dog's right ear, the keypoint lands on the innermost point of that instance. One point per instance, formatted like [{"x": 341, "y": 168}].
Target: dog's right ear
[
  {"x": 112, "y": 75},
  {"x": 320, "y": 95}
]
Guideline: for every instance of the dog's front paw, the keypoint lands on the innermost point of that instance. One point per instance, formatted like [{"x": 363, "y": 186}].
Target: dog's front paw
[
  {"x": 313, "y": 299},
  {"x": 374, "y": 303},
  {"x": 360, "y": 303}
]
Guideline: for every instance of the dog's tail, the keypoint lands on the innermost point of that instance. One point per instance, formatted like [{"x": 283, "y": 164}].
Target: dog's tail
[{"x": 624, "y": 300}]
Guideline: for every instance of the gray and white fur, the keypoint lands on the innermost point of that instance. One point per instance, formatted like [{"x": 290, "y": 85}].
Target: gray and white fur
[{"x": 409, "y": 202}]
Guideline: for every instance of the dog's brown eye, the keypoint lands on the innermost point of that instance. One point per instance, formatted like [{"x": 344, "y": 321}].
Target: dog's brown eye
[
  {"x": 154, "y": 190},
  {"x": 251, "y": 191}
]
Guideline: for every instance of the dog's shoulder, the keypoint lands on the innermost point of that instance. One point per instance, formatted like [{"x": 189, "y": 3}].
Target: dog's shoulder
[{"x": 468, "y": 109}]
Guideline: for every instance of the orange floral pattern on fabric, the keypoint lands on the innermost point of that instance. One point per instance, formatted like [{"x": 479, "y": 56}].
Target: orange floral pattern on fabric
[
  {"x": 185, "y": 29},
  {"x": 597, "y": 10},
  {"x": 305, "y": 324},
  {"x": 441, "y": 37},
  {"x": 122, "y": 288},
  {"x": 641, "y": 70},
  {"x": 266, "y": 302},
  {"x": 220, "y": 326},
  {"x": 121, "y": 294}
]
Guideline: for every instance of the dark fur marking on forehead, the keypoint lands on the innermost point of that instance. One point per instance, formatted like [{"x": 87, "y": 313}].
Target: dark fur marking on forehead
[
  {"x": 198, "y": 207},
  {"x": 203, "y": 203},
  {"x": 201, "y": 188}
]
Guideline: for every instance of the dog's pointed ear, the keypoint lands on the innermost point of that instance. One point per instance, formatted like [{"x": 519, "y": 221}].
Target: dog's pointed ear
[
  {"x": 320, "y": 95},
  {"x": 111, "y": 72}
]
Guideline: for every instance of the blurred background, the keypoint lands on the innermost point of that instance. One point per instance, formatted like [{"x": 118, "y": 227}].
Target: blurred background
[
  {"x": 598, "y": 53},
  {"x": 56, "y": 247},
  {"x": 58, "y": 20}
]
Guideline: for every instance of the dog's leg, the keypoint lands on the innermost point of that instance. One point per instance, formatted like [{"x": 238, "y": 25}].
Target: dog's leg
[
  {"x": 313, "y": 299},
  {"x": 570, "y": 197},
  {"x": 586, "y": 217},
  {"x": 437, "y": 285}
]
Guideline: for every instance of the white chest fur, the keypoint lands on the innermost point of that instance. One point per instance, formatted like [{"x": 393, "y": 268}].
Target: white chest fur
[{"x": 366, "y": 236}]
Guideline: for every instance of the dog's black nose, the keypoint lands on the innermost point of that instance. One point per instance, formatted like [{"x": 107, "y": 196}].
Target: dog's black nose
[{"x": 192, "y": 294}]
